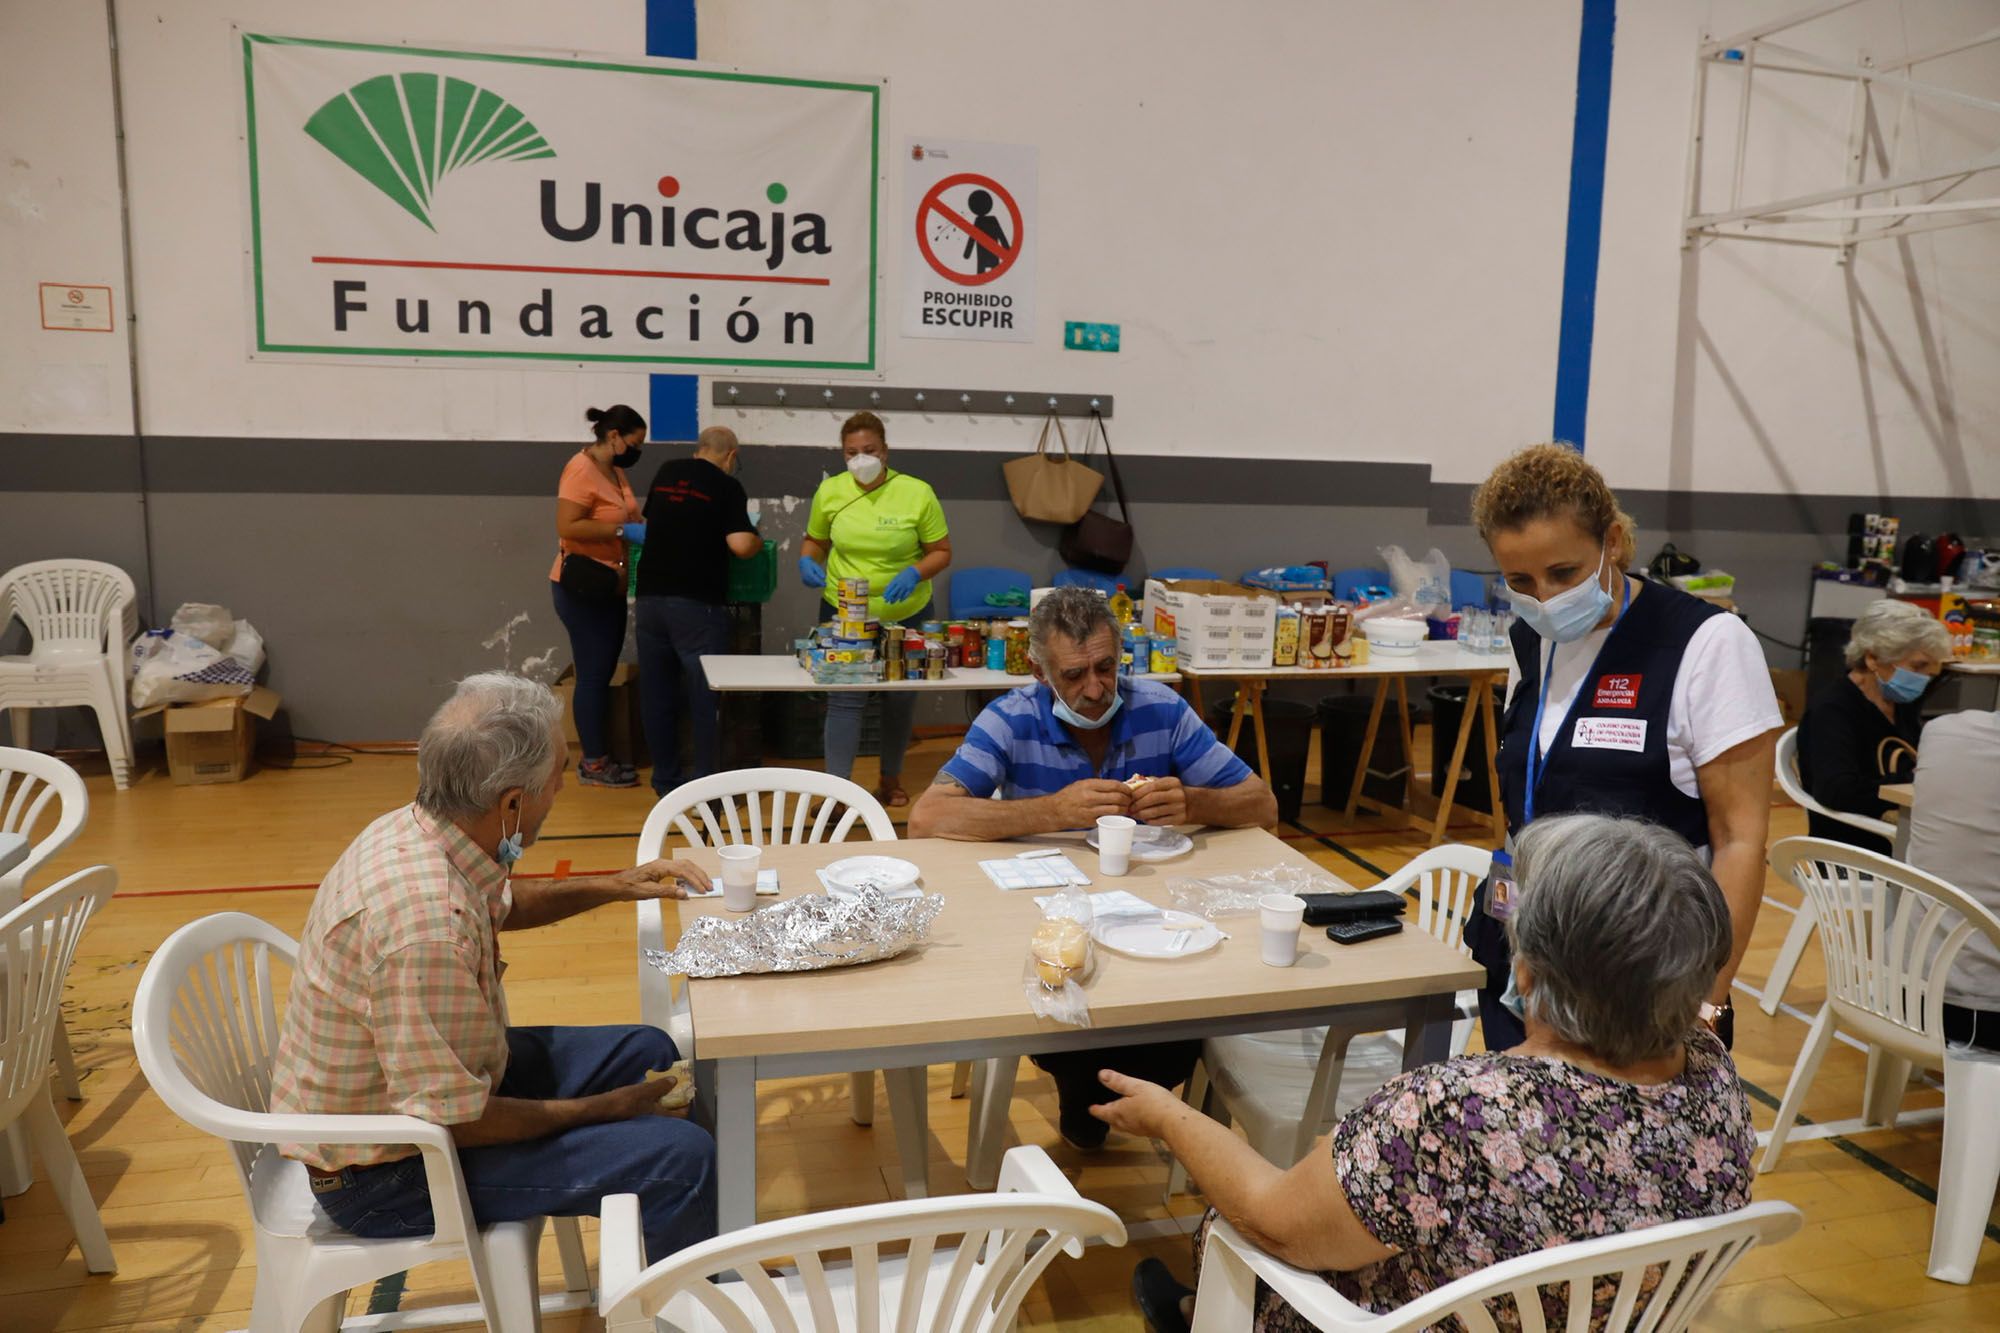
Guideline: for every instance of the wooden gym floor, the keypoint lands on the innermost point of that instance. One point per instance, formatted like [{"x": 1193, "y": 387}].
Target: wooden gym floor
[{"x": 180, "y": 1230}]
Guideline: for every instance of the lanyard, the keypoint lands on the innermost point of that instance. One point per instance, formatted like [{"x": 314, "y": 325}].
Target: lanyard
[{"x": 1536, "y": 764}]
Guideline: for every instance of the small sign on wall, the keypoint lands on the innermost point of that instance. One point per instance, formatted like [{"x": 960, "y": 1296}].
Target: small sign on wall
[
  {"x": 1079, "y": 336},
  {"x": 969, "y": 238},
  {"x": 76, "y": 307}
]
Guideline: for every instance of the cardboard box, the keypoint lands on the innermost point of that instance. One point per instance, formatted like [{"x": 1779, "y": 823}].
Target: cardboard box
[
  {"x": 214, "y": 741},
  {"x": 1219, "y": 625}
]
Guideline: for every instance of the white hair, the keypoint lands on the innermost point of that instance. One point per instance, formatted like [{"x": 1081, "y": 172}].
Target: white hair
[
  {"x": 1623, "y": 930},
  {"x": 1891, "y": 630},
  {"x": 496, "y": 732}
]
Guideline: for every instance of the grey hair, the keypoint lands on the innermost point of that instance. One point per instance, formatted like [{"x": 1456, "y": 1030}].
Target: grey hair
[
  {"x": 495, "y": 733},
  {"x": 1074, "y": 612},
  {"x": 1892, "y": 630},
  {"x": 1623, "y": 930}
]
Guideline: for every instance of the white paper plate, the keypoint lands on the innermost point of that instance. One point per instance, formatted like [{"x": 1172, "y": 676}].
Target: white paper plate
[
  {"x": 1170, "y": 935},
  {"x": 1152, "y": 842},
  {"x": 891, "y": 874}
]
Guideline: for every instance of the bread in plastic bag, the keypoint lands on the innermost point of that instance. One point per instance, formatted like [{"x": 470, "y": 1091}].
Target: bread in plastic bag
[{"x": 1060, "y": 956}]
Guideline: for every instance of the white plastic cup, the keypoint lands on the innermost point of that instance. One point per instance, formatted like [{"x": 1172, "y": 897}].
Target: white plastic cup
[
  {"x": 1281, "y": 915},
  {"x": 739, "y": 876},
  {"x": 1114, "y": 843}
]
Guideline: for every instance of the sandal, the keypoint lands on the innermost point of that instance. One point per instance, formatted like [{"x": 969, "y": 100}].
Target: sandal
[{"x": 891, "y": 795}]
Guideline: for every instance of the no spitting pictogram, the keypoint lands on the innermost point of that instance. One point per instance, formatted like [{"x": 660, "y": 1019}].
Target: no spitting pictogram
[{"x": 966, "y": 241}]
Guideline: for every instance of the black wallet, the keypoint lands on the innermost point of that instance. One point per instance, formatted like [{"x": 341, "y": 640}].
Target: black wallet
[{"x": 1324, "y": 909}]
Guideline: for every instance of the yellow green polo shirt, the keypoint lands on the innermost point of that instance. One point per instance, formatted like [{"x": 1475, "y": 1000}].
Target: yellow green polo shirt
[{"x": 875, "y": 535}]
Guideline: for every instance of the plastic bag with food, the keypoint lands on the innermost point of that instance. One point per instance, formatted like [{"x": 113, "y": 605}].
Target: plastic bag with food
[{"x": 1059, "y": 958}]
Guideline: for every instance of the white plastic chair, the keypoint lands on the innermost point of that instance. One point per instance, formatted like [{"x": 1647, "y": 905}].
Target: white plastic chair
[
  {"x": 38, "y": 940},
  {"x": 43, "y": 804},
  {"x": 767, "y": 807},
  {"x": 1681, "y": 1262},
  {"x": 1794, "y": 947},
  {"x": 967, "y": 1266},
  {"x": 205, "y": 1028},
  {"x": 81, "y": 615},
  {"x": 1287, "y": 1088},
  {"x": 1890, "y": 933}
]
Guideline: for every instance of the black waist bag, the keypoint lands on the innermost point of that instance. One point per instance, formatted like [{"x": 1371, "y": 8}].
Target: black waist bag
[{"x": 591, "y": 581}]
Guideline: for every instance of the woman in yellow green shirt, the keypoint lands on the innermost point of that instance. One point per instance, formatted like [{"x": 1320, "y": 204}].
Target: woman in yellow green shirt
[{"x": 873, "y": 522}]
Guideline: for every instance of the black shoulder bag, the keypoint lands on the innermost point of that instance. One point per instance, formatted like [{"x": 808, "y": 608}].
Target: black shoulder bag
[
  {"x": 1098, "y": 541},
  {"x": 591, "y": 582}
]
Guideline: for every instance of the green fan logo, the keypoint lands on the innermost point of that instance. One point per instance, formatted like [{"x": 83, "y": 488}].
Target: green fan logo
[{"x": 405, "y": 133}]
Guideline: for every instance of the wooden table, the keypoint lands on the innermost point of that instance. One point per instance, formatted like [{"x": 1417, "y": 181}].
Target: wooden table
[
  {"x": 1903, "y": 795},
  {"x": 1481, "y": 671},
  {"x": 959, "y": 996},
  {"x": 730, "y": 673}
]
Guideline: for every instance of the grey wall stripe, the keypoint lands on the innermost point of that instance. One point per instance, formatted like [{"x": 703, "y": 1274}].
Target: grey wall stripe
[{"x": 213, "y": 465}]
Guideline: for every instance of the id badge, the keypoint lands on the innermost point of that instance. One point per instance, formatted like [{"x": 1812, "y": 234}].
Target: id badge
[{"x": 1500, "y": 894}]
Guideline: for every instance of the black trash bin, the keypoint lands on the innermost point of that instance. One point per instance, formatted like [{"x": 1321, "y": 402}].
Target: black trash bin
[
  {"x": 1288, "y": 736},
  {"x": 1343, "y": 725},
  {"x": 1447, "y": 714}
]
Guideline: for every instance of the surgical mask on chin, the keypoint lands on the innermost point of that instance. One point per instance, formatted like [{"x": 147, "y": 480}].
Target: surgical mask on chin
[
  {"x": 1905, "y": 687},
  {"x": 1570, "y": 614},
  {"x": 1064, "y": 713},
  {"x": 510, "y": 849},
  {"x": 865, "y": 468}
]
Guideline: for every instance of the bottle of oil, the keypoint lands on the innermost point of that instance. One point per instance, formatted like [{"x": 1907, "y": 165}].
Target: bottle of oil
[{"x": 1121, "y": 605}]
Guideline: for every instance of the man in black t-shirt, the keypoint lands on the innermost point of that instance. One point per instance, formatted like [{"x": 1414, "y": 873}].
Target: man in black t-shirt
[{"x": 697, "y": 518}]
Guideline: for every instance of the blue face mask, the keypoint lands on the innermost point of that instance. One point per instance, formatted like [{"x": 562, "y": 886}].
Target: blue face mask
[
  {"x": 1064, "y": 713},
  {"x": 1570, "y": 614},
  {"x": 510, "y": 849},
  {"x": 1905, "y": 687},
  {"x": 1512, "y": 999}
]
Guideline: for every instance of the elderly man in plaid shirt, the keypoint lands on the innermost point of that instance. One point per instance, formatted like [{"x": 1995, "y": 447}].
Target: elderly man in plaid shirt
[{"x": 396, "y": 1004}]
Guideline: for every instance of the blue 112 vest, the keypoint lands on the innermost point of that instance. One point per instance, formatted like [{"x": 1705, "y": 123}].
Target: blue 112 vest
[{"x": 1620, "y": 715}]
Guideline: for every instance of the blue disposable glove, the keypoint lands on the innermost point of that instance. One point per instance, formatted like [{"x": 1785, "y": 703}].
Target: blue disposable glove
[
  {"x": 902, "y": 585},
  {"x": 635, "y": 533},
  {"x": 811, "y": 572}
]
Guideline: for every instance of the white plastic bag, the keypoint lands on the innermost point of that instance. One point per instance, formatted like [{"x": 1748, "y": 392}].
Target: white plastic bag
[
  {"x": 1422, "y": 588},
  {"x": 212, "y": 624},
  {"x": 169, "y": 667},
  {"x": 1219, "y": 896}
]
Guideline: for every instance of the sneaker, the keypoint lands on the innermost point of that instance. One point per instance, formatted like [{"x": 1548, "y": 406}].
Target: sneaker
[
  {"x": 604, "y": 773},
  {"x": 1158, "y": 1294}
]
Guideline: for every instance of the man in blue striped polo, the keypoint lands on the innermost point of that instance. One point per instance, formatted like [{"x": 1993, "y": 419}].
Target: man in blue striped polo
[{"x": 1079, "y": 743}]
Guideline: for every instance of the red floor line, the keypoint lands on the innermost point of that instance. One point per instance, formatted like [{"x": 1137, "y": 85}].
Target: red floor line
[{"x": 280, "y": 888}]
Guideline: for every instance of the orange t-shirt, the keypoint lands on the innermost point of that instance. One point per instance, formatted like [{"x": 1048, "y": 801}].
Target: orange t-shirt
[{"x": 601, "y": 501}]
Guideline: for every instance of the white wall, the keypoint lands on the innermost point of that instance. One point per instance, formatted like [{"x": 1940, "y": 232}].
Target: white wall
[
  {"x": 1800, "y": 374},
  {"x": 58, "y": 219},
  {"x": 1329, "y": 230}
]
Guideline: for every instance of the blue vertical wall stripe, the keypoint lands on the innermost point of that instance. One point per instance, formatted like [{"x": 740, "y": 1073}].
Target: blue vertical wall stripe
[
  {"x": 676, "y": 399},
  {"x": 1586, "y": 218}
]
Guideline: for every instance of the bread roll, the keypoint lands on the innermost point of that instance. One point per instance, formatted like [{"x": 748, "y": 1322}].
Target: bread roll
[
  {"x": 1060, "y": 946},
  {"x": 683, "y": 1090}
]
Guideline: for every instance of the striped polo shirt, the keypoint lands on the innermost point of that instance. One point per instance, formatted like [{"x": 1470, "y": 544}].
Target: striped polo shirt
[{"x": 1018, "y": 748}]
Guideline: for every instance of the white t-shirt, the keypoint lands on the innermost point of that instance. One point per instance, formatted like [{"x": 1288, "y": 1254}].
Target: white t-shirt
[
  {"x": 1955, "y": 835},
  {"x": 1722, "y": 694}
]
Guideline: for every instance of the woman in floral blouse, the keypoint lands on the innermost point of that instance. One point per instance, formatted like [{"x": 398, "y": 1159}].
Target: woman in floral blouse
[{"x": 1620, "y": 1111}]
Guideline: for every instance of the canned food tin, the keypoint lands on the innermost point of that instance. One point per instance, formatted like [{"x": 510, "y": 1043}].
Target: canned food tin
[
  {"x": 934, "y": 662},
  {"x": 854, "y": 590}
]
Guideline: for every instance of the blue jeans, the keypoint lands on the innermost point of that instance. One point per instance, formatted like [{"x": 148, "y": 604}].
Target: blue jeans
[
  {"x": 673, "y": 633},
  {"x": 843, "y": 722},
  {"x": 596, "y": 637},
  {"x": 668, "y": 1162}
]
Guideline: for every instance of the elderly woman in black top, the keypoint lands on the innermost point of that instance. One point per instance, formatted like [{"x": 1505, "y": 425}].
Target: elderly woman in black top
[{"x": 1861, "y": 730}]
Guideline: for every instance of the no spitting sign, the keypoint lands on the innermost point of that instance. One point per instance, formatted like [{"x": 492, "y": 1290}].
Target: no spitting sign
[{"x": 969, "y": 239}]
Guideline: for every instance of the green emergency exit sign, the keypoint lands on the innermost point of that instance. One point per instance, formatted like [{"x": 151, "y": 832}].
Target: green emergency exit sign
[{"x": 1081, "y": 337}]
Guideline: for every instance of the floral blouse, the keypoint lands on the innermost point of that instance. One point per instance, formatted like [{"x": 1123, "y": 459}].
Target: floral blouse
[{"x": 1464, "y": 1164}]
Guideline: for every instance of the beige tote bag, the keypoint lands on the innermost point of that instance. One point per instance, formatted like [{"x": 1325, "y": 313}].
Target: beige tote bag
[{"x": 1049, "y": 489}]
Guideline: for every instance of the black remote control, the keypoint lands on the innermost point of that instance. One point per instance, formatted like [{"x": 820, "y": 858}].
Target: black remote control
[{"x": 1353, "y": 932}]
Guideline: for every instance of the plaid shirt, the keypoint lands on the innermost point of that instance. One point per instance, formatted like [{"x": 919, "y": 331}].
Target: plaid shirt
[{"x": 396, "y": 1005}]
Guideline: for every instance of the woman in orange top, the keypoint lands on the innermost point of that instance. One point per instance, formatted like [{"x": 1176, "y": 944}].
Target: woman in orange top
[{"x": 596, "y": 515}]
